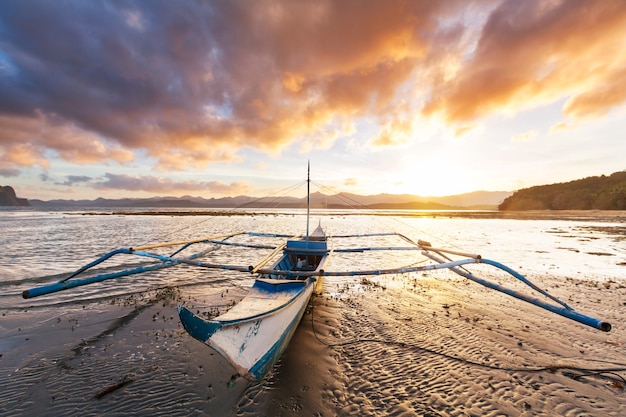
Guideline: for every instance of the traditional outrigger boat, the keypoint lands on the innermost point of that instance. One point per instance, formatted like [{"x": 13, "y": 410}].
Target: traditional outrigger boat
[{"x": 253, "y": 334}]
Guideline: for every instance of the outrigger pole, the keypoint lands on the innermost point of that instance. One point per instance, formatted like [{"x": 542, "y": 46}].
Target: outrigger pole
[
  {"x": 166, "y": 261},
  {"x": 441, "y": 261}
]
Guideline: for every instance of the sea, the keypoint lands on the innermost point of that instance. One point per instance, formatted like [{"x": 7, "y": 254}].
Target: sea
[{"x": 45, "y": 340}]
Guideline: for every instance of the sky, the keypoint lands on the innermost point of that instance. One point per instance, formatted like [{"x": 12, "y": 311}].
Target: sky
[{"x": 223, "y": 98}]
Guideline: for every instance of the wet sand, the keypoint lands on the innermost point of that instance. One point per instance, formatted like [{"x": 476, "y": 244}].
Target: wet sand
[{"x": 427, "y": 345}]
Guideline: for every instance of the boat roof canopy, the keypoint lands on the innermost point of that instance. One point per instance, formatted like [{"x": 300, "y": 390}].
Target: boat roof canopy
[{"x": 306, "y": 246}]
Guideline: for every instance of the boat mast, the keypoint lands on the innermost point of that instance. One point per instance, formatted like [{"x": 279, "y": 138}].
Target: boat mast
[{"x": 308, "y": 197}]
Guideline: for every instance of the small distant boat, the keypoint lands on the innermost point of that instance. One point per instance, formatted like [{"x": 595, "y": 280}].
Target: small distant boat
[{"x": 253, "y": 334}]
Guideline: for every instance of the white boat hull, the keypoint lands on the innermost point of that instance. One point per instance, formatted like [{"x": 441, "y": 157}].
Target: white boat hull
[{"x": 252, "y": 341}]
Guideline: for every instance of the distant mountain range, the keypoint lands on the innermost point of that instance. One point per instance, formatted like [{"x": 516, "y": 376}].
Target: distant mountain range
[
  {"x": 592, "y": 193},
  {"x": 478, "y": 200}
]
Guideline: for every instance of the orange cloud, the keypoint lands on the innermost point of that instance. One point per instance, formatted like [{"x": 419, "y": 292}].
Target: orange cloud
[
  {"x": 395, "y": 132},
  {"x": 532, "y": 53},
  {"x": 597, "y": 102},
  {"x": 31, "y": 137},
  {"x": 234, "y": 75},
  {"x": 24, "y": 155},
  {"x": 195, "y": 86}
]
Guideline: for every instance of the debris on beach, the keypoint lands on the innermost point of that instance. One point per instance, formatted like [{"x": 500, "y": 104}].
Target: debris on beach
[{"x": 126, "y": 379}]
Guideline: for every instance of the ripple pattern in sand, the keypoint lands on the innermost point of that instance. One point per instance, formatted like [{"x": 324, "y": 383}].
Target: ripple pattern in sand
[{"x": 426, "y": 335}]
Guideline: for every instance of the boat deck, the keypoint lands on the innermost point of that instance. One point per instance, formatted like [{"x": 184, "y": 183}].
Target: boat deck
[{"x": 265, "y": 297}]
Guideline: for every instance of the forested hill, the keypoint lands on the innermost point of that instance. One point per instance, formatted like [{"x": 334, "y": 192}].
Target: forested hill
[{"x": 592, "y": 193}]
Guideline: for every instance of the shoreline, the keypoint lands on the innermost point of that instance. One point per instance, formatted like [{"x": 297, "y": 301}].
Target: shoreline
[{"x": 572, "y": 215}]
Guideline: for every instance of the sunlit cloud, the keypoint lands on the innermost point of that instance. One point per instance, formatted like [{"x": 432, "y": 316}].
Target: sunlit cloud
[
  {"x": 196, "y": 93},
  {"x": 33, "y": 137},
  {"x": 597, "y": 102},
  {"x": 561, "y": 126},
  {"x": 25, "y": 155},
  {"x": 463, "y": 129},
  {"x": 351, "y": 182},
  {"x": 395, "y": 133},
  {"x": 532, "y": 53},
  {"x": 181, "y": 86},
  {"x": 325, "y": 139}
]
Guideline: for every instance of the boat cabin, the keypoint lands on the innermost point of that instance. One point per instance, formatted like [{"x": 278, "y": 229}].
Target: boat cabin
[{"x": 302, "y": 255}]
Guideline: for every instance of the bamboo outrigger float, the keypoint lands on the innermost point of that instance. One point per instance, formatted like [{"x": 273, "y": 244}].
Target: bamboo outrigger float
[{"x": 253, "y": 334}]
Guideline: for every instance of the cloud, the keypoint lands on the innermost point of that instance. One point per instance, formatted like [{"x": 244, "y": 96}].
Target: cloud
[
  {"x": 561, "y": 126},
  {"x": 76, "y": 179},
  {"x": 25, "y": 155},
  {"x": 191, "y": 83},
  {"x": 597, "y": 102},
  {"x": 154, "y": 184},
  {"x": 32, "y": 137},
  {"x": 394, "y": 133},
  {"x": 351, "y": 182},
  {"x": 535, "y": 52},
  {"x": 9, "y": 172}
]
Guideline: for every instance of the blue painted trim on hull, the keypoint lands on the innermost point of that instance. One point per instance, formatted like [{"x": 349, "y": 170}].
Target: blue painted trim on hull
[
  {"x": 278, "y": 286},
  {"x": 197, "y": 327},
  {"x": 201, "y": 326}
]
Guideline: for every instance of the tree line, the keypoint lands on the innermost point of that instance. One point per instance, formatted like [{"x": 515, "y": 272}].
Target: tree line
[{"x": 591, "y": 193}]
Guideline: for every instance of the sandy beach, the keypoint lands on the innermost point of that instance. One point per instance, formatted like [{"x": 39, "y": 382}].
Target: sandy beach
[{"x": 428, "y": 345}]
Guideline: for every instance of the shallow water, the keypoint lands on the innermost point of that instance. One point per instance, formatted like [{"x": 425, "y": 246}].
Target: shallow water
[{"x": 60, "y": 351}]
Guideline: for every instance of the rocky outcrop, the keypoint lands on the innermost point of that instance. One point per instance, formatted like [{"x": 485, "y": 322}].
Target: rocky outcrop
[{"x": 8, "y": 197}]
